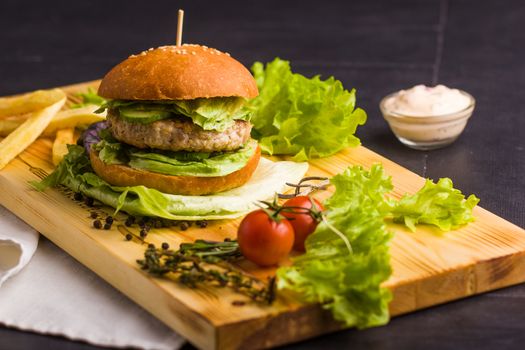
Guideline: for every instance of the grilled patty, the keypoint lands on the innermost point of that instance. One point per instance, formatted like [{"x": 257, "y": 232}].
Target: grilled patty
[{"x": 179, "y": 134}]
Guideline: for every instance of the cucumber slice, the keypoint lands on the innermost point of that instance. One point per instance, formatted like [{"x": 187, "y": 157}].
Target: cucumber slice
[{"x": 143, "y": 117}]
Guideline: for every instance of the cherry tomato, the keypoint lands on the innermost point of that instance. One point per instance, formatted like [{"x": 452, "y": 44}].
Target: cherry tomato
[
  {"x": 302, "y": 222},
  {"x": 263, "y": 240}
]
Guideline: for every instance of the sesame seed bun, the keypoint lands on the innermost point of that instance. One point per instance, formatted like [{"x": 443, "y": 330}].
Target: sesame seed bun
[
  {"x": 178, "y": 73},
  {"x": 122, "y": 175}
]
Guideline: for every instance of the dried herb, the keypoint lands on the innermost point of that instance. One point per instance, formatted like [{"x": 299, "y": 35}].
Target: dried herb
[
  {"x": 305, "y": 187},
  {"x": 207, "y": 262}
]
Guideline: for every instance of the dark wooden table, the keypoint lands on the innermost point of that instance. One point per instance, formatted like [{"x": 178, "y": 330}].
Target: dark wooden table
[{"x": 375, "y": 46}]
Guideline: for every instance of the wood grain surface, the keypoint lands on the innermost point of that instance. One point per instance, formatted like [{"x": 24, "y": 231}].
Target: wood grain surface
[{"x": 429, "y": 267}]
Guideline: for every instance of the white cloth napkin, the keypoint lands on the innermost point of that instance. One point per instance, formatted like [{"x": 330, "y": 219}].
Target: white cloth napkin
[{"x": 54, "y": 294}]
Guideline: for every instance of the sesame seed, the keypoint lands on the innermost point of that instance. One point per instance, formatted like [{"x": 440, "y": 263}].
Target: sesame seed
[
  {"x": 227, "y": 54},
  {"x": 193, "y": 53}
]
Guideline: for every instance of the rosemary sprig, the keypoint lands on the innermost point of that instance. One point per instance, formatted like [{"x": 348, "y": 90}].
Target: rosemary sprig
[
  {"x": 304, "y": 187},
  {"x": 207, "y": 262}
]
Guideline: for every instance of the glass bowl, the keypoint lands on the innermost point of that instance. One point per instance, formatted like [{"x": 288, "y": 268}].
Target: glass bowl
[{"x": 427, "y": 132}]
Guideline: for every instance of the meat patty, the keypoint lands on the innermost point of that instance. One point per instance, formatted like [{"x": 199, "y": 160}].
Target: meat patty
[{"x": 179, "y": 134}]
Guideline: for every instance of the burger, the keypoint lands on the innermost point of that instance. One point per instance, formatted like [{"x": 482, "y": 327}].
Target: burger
[{"x": 177, "y": 122}]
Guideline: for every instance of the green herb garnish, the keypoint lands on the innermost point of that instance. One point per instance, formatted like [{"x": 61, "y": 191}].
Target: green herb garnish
[
  {"x": 207, "y": 262},
  {"x": 89, "y": 97}
]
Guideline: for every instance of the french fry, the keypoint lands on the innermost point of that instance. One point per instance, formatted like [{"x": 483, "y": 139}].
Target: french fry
[
  {"x": 63, "y": 138},
  {"x": 7, "y": 126},
  {"x": 27, "y": 133},
  {"x": 64, "y": 119},
  {"x": 71, "y": 118},
  {"x": 28, "y": 103}
]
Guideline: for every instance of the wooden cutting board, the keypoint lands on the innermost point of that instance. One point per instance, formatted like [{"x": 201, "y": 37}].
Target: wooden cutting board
[{"x": 429, "y": 267}]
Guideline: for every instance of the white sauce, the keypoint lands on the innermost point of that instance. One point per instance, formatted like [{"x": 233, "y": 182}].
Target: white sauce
[{"x": 424, "y": 101}]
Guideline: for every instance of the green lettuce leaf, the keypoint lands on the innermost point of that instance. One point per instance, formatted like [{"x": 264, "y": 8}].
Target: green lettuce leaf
[
  {"x": 174, "y": 163},
  {"x": 348, "y": 283},
  {"x": 217, "y": 113},
  {"x": 438, "y": 204},
  {"x": 219, "y": 164},
  {"x": 303, "y": 117},
  {"x": 75, "y": 172},
  {"x": 90, "y": 97}
]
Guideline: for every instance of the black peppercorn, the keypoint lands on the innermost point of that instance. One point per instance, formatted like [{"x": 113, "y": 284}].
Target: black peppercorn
[
  {"x": 77, "y": 196},
  {"x": 109, "y": 220},
  {"x": 165, "y": 246},
  {"x": 202, "y": 223},
  {"x": 94, "y": 215},
  {"x": 130, "y": 221},
  {"x": 184, "y": 225},
  {"x": 151, "y": 245},
  {"x": 89, "y": 201},
  {"x": 143, "y": 233},
  {"x": 107, "y": 226},
  {"x": 97, "y": 224},
  {"x": 129, "y": 237}
]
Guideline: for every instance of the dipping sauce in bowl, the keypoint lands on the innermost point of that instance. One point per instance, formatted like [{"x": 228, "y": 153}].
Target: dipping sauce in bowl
[{"x": 427, "y": 117}]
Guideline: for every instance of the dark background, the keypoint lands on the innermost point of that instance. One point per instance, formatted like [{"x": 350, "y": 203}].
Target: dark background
[{"x": 375, "y": 46}]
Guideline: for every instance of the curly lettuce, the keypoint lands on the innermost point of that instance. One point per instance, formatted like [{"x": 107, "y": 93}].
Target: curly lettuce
[
  {"x": 347, "y": 281},
  {"x": 303, "y": 117},
  {"x": 348, "y": 284},
  {"x": 217, "y": 113},
  {"x": 438, "y": 204}
]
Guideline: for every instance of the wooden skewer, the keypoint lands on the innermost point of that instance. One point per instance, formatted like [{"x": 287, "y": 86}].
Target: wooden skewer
[{"x": 179, "y": 27}]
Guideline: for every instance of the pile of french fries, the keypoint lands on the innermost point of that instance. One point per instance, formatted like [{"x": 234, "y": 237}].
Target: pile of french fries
[{"x": 41, "y": 113}]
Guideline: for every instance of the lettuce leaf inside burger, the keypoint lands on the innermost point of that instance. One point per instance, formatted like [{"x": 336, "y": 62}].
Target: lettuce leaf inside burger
[{"x": 176, "y": 122}]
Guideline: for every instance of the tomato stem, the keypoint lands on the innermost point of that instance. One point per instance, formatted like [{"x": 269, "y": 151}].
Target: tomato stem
[
  {"x": 315, "y": 213},
  {"x": 272, "y": 213}
]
